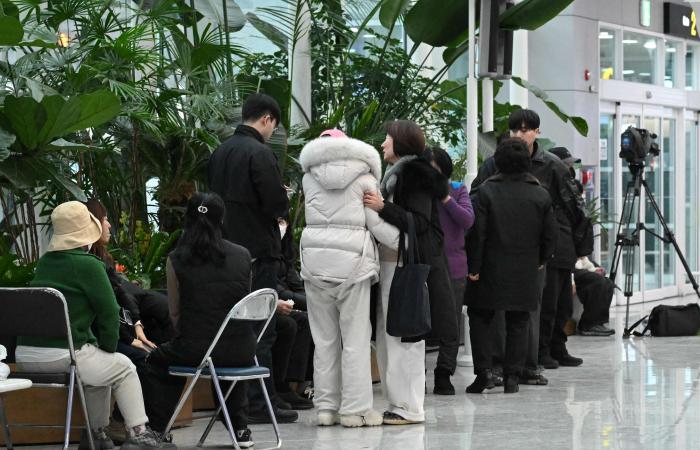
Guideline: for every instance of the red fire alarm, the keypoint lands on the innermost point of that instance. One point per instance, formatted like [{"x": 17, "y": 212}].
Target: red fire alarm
[{"x": 587, "y": 75}]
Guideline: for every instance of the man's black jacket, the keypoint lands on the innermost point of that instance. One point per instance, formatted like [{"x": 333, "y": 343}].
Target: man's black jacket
[{"x": 244, "y": 172}]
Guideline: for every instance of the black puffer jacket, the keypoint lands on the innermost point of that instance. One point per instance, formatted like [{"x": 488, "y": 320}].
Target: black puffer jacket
[
  {"x": 419, "y": 189},
  {"x": 569, "y": 208}
]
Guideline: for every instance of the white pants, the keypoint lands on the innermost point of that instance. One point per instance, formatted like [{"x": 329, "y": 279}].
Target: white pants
[
  {"x": 341, "y": 331},
  {"x": 102, "y": 373},
  {"x": 401, "y": 364}
]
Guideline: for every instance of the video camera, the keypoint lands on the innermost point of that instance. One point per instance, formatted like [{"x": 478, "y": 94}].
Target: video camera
[{"x": 637, "y": 143}]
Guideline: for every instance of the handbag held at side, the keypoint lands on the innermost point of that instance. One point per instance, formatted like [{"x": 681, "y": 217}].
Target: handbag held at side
[{"x": 408, "y": 313}]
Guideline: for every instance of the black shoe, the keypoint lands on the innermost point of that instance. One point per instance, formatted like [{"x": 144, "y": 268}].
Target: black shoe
[
  {"x": 282, "y": 416},
  {"x": 99, "y": 437},
  {"x": 443, "y": 385},
  {"x": 244, "y": 439},
  {"x": 533, "y": 379},
  {"x": 295, "y": 400},
  {"x": 510, "y": 384},
  {"x": 484, "y": 380},
  {"x": 497, "y": 376},
  {"x": 596, "y": 330},
  {"x": 548, "y": 362},
  {"x": 280, "y": 403},
  {"x": 567, "y": 360}
]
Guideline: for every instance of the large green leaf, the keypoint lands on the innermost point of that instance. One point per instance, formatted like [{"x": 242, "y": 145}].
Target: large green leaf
[
  {"x": 578, "y": 123},
  {"x": 26, "y": 117},
  {"x": 269, "y": 31},
  {"x": 437, "y": 22},
  {"x": 6, "y": 140},
  {"x": 213, "y": 10},
  {"x": 532, "y": 14},
  {"x": 95, "y": 109},
  {"x": 391, "y": 10},
  {"x": 11, "y": 30},
  {"x": 9, "y": 9}
]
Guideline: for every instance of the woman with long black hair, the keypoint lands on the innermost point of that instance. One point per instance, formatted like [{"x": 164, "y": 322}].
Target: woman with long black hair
[{"x": 206, "y": 276}]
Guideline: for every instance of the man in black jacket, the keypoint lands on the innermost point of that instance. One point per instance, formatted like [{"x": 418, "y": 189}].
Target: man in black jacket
[
  {"x": 545, "y": 340},
  {"x": 245, "y": 173}
]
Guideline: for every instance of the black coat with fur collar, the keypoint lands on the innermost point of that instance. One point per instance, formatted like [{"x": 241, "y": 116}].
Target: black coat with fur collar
[{"x": 419, "y": 189}]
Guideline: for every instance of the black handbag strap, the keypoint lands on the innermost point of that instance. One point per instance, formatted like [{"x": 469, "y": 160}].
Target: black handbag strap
[
  {"x": 636, "y": 324},
  {"x": 408, "y": 251}
]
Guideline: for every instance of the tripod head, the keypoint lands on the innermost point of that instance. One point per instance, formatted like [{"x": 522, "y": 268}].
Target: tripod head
[{"x": 636, "y": 168}]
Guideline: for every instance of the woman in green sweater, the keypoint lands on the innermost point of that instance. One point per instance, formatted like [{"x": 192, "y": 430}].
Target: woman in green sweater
[{"x": 82, "y": 280}]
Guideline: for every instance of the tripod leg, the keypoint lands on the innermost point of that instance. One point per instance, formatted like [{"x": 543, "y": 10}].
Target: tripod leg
[{"x": 670, "y": 237}]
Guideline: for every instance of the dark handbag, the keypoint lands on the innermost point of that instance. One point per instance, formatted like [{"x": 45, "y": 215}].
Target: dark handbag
[
  {"x": 408, "y": 313},
  {"x": 665, "y": 320}
]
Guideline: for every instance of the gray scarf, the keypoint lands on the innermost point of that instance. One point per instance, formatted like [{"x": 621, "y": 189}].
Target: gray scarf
[{"x": 389, "y": 180}]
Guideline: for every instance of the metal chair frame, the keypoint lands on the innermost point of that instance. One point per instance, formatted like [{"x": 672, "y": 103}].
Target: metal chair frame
[
  {"x": 238, "y": 312},
  {"x": 73, "y": 373}
]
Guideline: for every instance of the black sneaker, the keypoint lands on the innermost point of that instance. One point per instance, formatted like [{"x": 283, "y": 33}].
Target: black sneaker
[
  {"x": 483, "y": 380},
  {"x": 596, "y": 330},
  {"x": 295, "y": 400},
  {"x": 244, "y": 439},
  {"x": 99, "y": 437},
  {"x": 282, "y": 416},
  {"x": 548, "y": 362},
  {"x": 148, "y": 440}
]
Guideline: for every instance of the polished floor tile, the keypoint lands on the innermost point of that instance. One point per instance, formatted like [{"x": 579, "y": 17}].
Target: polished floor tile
[{"x": 639, "y": 393}]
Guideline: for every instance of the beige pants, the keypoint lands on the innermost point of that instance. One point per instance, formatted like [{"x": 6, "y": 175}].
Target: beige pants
[{"x": 102, "y": 373}]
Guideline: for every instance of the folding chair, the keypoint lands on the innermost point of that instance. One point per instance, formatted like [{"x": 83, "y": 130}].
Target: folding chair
[
  {"x": 256, "y": 306},
  {"x": 43, "y": 312},
  {"x": 10, "y": 386}
]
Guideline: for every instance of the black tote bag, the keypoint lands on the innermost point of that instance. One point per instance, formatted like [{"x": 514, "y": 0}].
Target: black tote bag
[{"x": 408, "y": 313}]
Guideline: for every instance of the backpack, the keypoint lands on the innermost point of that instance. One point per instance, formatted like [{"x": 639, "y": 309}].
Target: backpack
[{"x": 667, "y": 320}]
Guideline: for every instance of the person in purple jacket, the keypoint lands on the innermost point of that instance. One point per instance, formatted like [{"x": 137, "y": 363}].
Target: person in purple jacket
[{"x": 456, "y": 217}]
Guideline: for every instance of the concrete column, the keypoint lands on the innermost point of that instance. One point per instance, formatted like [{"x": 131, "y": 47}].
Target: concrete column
[
  {"x": 472, "y": 101},
  {"x": 300, "y": 71},
  {"x": 518, "y": 95}
]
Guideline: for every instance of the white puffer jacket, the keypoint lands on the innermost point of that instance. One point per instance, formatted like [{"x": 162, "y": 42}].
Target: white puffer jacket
[{"x": 338, "y": 243}]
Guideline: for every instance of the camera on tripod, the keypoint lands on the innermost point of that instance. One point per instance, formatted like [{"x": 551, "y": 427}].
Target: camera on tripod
[{"x": 637, "y": 143}]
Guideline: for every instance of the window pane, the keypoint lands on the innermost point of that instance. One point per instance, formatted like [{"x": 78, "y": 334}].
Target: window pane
[
  {"x": 668, "y": 156},
  {"x": 607, "y": 189},
  {"x": 652, "y": 253},
  {"x": 670, "y": 76},
  {"x": 639, "y": 53},
  {"x": 691, "y": 73},
  {"x": 691, "y": 194},
  {"x": 607, "y": 53}
]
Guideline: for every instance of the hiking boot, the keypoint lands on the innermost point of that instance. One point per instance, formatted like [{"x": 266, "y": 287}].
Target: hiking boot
[
  {"x": 484, "y": 380},
  {"x": 596, "y": 330},
  {"x": 565, "y": 359},
  {"x": 443, "y": 385},
  {"x": 547, "y": 362},
  {"x": 99, "y": 437},
  {"x": 295, "y": 400},
  {"x": 371, "y": 418},
  {"x": 328, "y": 418},
  {"x": 244, "y": 439},
  {"x": 391, "y": 418}
]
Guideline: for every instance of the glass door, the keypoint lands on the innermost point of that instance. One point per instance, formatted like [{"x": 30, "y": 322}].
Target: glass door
[{"x": 692, "y": 223}]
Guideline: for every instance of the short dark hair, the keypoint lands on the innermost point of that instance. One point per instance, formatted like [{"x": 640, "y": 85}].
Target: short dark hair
[
  {"x": 512, "y": 156},
  {"x": 202, "y": 242},
  {"x": 258, "y": 105},
  {"x": 442, "y": 159},
  {"x": 523, "y": 118},
  {"x": 408, "y": 137}
]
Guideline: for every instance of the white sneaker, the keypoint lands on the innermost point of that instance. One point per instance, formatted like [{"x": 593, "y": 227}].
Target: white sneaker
[
  {"x": 327, "y": 418},
  {"x": 371, "y": 418}
]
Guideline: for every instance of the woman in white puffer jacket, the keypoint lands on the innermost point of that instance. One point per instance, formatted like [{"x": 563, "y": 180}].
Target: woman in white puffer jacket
[{"x": 339, "y": 262}]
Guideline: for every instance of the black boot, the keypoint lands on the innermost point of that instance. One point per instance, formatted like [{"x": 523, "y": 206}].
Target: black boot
[
  {"x": 565, "y": 359},
  {"x": 443, "y": 385},
  {"x": 510, "y": 384},
  {"x": 484, "y": 380}
]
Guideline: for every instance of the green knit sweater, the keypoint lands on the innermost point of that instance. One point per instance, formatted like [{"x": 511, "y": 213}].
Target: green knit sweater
[{"x": 82, "y": 279}]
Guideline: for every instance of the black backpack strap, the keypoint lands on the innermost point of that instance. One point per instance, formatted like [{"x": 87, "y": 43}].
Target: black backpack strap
[{"x": 636, "y": 324}]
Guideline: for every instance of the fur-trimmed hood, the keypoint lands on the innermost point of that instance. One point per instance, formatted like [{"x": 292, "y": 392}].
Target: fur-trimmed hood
[
  {"x": 419, "y": 175},
  {"x": 325, "y": 150}
]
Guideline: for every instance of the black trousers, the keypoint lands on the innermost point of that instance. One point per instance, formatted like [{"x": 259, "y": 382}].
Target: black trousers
[
  {"x": 557, "y": 308},
  {"x": 595, "y": 292},
  {"x": 265, "y": 272},
  {"x": 498, "y": 330},
  {"x": 161, "y": 391},
  {"x": 516, "y": 326},
  {"x": 290, "y": 354},
  {"x": 447, "y": 352},
  {"x": 155, "y": 315}
]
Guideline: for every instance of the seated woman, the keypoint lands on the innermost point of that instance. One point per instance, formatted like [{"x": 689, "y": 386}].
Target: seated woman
[
  {"x": 207, "y": 276},
  {"x": 81, "y": 278},
  {"x": 150, "y": 307},
  {"x": 513, "y": 238}
]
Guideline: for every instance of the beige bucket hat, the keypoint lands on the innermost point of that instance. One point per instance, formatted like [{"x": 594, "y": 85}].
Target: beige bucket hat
[{"x": 73, "y": 227}]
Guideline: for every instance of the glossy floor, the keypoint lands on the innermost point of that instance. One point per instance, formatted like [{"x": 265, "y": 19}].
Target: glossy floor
[{"x": 628, "y": 394}]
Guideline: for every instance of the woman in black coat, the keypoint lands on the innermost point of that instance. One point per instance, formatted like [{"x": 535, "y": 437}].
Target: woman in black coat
[
  {"x": 514, "y": 236},
  {"x": 411, "y": 186}
]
